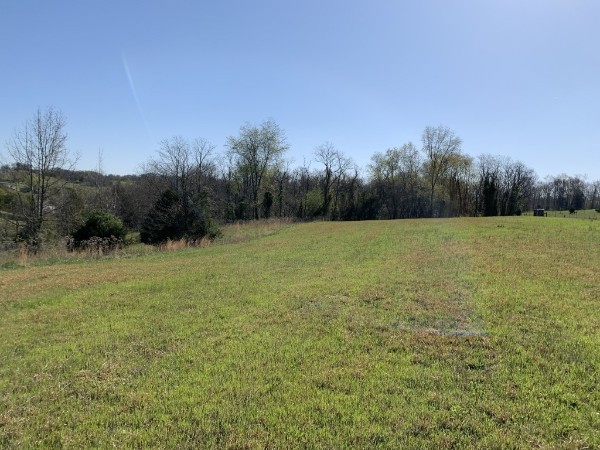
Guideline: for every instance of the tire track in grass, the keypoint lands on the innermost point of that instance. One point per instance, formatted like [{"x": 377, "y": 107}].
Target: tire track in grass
[{"x": 439, "y": 290}]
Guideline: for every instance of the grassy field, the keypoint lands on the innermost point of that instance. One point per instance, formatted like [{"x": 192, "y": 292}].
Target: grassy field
[
  {"x": 449, "y": 333},
  {"x": 589, "y": 214}
]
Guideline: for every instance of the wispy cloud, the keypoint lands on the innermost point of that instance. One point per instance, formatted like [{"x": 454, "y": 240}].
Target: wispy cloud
[{"x": 134, "y": 93}]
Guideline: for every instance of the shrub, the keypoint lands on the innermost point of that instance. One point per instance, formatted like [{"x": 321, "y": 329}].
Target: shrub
[
  {"x": 100, "y": 225},
  {"x": 174, "y": 218}
]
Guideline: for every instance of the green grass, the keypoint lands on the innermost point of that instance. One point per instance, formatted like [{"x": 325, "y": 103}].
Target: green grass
[
  {"x": 581, "y": 214},
  {"x": 395, "y": 334}
]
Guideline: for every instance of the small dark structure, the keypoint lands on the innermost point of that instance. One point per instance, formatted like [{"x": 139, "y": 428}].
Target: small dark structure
[{"x": 539, "y": 212}]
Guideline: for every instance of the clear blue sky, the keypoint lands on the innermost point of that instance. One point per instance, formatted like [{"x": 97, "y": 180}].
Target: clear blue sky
[{"x": 519, "y": 78}]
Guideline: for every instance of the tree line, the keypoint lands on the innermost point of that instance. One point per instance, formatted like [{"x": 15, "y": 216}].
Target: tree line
[{"x": 187, "y": 189}]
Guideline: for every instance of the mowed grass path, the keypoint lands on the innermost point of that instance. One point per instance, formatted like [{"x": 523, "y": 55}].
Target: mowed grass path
[{"x": 399, "y": 334}]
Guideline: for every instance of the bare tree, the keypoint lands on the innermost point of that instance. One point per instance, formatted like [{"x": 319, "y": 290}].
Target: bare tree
[
  {"x": 490, "y": 179},
  {"x": 175, "y": 164},
  {"x": 183, "y": 164},
  {"x": 282, "y": 179},
  {"x": 458, "y": 180},
  {"x": 505, "y": 186},
  {"x": 593, "y": 194},
  {"x": 336, "y": 165},
  {"x": 203, "y": 153},
  {"x": 256, "y": 150},
  {"x": 396, "y": 175},
  {"x": 517, "y": 187},
  {"x": 439, "y": 145},
  {"x": 38, "y": 151},
  {"x": 305, "y": 191},
  {"x": 326, "y": 154}
]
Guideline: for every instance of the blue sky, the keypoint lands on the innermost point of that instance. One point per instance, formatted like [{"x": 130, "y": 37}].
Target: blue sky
[{"x": 519, "y": 78}]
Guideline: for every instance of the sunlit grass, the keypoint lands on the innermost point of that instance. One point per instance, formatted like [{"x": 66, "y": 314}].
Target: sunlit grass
[{"x": 400, "y": 334}]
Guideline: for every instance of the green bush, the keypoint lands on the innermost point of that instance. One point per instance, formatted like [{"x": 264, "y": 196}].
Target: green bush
[
  {"x": 173, "y": 217},
  {"x": 100, "y": 224}
]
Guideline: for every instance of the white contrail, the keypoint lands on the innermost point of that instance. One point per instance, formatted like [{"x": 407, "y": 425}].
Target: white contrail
[{"x": 134, "y": 92}]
